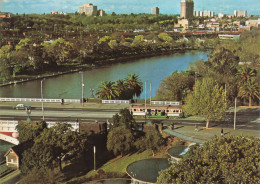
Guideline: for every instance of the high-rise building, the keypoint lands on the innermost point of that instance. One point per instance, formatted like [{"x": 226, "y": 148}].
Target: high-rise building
[
  {"x": 187, "y": 7},
  {"x": 240, "y": 13},
  {"x": 88, "y": 9},
  {"x": 155, "y": 11}
]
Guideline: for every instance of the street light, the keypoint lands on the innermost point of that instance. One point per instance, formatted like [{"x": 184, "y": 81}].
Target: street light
[
  {"x": 28, "y": 111},
  {"x": 94, "y": 149},
  {"x": 92, "y": 90},
  {"x": 82, "y": 84}
]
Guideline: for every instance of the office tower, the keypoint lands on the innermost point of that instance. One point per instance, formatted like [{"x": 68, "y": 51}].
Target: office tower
[
  {"x": 240, "y": 13},
  {"x": 155, "y": 11},
  {"x": 187, "y": 8},
  {"x": 88, "y": 9}
]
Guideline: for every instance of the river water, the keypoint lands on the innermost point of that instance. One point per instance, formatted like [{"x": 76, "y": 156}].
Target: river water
[{"x": 152, "y": 70}]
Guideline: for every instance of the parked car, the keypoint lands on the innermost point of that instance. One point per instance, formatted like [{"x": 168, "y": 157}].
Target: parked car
[{"x": 22, "y": 106}]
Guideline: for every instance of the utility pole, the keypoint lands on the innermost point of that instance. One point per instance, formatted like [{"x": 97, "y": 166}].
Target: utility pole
[
  {"x": 42, "y": 102},
  {"x": 235, "y": 113},
  {"x": 145, "y": 101},
  {"x": 150, "y": 94},
  {"x": 82, "y": 84},
  {"x": 94, "y": 149}
]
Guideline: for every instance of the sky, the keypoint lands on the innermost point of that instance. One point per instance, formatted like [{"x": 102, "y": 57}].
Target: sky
[{"x": 128, "y": 6}]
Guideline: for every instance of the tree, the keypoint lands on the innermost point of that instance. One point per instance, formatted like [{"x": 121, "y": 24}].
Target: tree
[
  {"x": 134, "y": 85},
  {"x": 107, "y": 91},
  {"x": 217, "y": 161},
  {"x": 175, "y": 86},
  {"x": 29, "y": 131},
  {"x": 151, "y": 141},
  {"x": 5, "y": 62},
  {"x": 125, "y": 119},
  {"x": 120, "y": 140},
  {"x": 249, "y": 90},
  {"x": 207, "y": 100},
  {"x": 51, "y": 147}
]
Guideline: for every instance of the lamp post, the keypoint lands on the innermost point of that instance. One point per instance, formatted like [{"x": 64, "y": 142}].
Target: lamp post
[
  {"x": 94, "y": 149},
  {"x": 42, "y": 103},
  {"x": 82, "y": 84},
  {"x": 28, "y": 111},
  {"x": 235, "y": 114},
  {"x": 92, "y": 90}
]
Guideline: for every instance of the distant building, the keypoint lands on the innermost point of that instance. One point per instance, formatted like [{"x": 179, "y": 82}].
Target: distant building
[
  {"x": 5, "y": 15},
  {"x": 187, "y": 8},
  {"x": 155, "y": 11},
  {"x": 183, "y": 23},
  {"x": 205, "y": 13},
  {"x": 88, "y": 9},
  {"x": 101, "y": 13},
  {"x": 54, "y": 12},
  {"x": 208, "y": 13},
  {"x": 240, "y": 13},
  {"x": 253, "y": 22},
  {"x": 196, "y": 13},
  {"x": 229, "y": 36},
  {"x": 220, "y": 15}
]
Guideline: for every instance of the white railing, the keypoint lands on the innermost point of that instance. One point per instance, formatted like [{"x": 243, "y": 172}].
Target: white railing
[
  {"x": 8, "y": 125},
  {"x": 165, "y": 103},
  {"x": 115, "y": 101},
  {"x": 74, "y": 125},
  {"x": 38, "y": 100}
]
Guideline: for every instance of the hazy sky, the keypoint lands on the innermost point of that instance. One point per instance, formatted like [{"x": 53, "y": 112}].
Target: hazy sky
[{"x": 128, "y": 6}]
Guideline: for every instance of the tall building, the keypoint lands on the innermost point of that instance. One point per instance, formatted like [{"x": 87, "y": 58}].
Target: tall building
[
  {"x": 240, "y": 13},
  {"x": 88, "y": 9},
  {"x": 187, "y": 7},
  {"x": 155, "y": 11}
]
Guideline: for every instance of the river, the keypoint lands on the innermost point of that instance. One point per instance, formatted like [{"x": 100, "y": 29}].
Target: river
[{"x": 152, "y": 70}]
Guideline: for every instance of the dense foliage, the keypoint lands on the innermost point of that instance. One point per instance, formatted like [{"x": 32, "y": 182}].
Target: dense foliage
[
  {"x": 123, "y": 89},
  {"x": 206, "y": 100},
  {"x": 234, "y": 65},
  {"x": 50, "y": 145},
  {"x": 228, "y": 159},
  {"x": 120, "y": 140}
]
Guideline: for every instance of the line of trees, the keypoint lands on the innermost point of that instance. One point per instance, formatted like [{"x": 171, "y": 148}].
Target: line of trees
[
  {"x": 122, "y": 89},
  {"x": 208, "y": 88}
]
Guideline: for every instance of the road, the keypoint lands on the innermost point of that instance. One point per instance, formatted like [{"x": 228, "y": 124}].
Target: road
[{"x": 245, "y": 119}]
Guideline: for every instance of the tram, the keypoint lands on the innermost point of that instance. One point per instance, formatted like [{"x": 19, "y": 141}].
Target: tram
[{"x": 162, "y": 111}]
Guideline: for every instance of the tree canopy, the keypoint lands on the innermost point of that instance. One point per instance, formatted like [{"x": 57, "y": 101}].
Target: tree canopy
[
  {"x": 207, "y": 100},
  {"x": 120, "y": 140},
  {"x": 225, "y": 160}
]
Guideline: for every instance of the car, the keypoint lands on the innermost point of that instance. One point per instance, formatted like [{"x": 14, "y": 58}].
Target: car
[{"x": 22, "y": 106}]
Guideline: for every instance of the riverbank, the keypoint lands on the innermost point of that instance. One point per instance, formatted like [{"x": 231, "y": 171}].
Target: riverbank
[{"x": 96, "y": 64}]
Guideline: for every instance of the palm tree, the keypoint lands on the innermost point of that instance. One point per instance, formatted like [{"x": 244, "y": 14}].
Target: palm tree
[
  {"x": 134, "y": 85},
  {"x": 107, "y": 91},
  {"x": 249, "y": 90},
  {"x": 245, "y": 74},
  {"x": 121, "y": 89}
]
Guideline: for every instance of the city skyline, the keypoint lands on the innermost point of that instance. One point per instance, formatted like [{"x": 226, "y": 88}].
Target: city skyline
[{"x": 127, "y": 7}]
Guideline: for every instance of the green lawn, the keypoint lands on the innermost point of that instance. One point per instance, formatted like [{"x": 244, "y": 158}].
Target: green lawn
[{"x": 119, "y": 164}]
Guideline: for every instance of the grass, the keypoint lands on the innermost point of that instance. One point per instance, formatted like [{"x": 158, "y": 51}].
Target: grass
[{"x": 119, "y": 164}]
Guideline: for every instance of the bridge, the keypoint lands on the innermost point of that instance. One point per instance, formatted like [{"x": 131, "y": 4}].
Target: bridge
[{"x": 9, "y": 133}]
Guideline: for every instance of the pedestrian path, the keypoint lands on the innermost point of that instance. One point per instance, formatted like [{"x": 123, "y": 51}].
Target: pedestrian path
[{"x": 184, "y": 137}]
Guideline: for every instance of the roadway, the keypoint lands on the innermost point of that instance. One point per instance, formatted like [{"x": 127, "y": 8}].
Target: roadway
[{"x": 245, "y": 119}]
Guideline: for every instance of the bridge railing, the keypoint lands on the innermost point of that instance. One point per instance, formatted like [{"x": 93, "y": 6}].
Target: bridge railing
[
  {"x": 165, "y": 103},
  {"x": 115, "y": 101},
  {"x": 8, "y": 125},
  {"x": 38, "y": 100}
]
